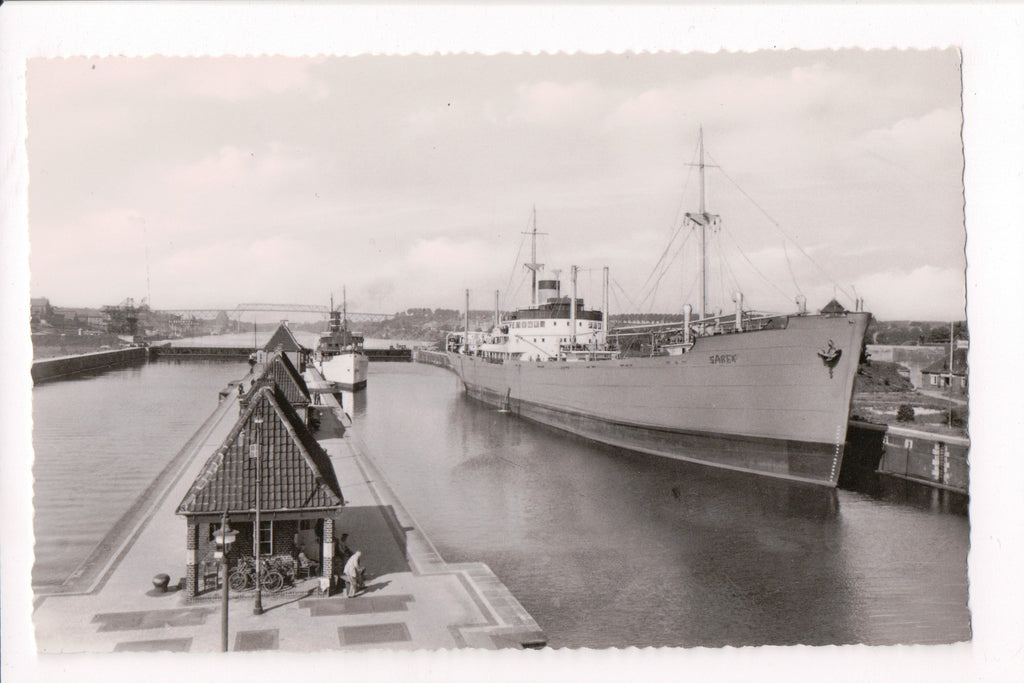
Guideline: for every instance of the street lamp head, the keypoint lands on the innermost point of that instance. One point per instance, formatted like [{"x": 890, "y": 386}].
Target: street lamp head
[{"x": 224, "y": 538}]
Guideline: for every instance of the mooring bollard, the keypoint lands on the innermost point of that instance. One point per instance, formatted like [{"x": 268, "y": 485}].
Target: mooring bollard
[{"x": 160, "y": 582}]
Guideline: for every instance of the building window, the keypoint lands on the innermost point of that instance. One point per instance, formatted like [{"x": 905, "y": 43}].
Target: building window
[{"x": 266, "y": 537}]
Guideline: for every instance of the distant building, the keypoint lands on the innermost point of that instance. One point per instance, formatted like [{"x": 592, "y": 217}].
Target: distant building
[
  {"x": 223, "y": 324},
  {"x": 284, "y": 340},
  {"x": 41, "y": 309},
  {"x": 185, "y": 327},
  {"x": 938, "y": 375}
]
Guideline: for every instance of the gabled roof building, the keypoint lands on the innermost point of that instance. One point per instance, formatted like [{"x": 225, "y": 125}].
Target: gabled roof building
[
  {"x": 284, "y": 340},
  {"x": 300, "y": 498},
  {"x": 938, "y": 376},
  {"x": 279, "y": 371}
]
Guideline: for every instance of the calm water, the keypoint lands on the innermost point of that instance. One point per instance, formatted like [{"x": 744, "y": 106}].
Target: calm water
[
  {"x": 609, "y": 548},
  {"x": 603, "y": 547},
  {"x": 100, "y": 440}
]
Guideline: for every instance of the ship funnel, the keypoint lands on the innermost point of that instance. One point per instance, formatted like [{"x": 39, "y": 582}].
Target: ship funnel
[
  {"x": 801, "y": 304},
  {"x": 548, "y": 290},
  {"x": 687, "y": 314},
  {"x": 738, "y": 298}
]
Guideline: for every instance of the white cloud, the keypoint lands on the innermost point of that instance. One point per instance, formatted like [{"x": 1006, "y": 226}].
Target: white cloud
[
  {"x": 548, "y": 103},
  {"x": 235, "y": 78},
  {"x": 927, "y": 292},
  {"x": 412, "y": 177}
]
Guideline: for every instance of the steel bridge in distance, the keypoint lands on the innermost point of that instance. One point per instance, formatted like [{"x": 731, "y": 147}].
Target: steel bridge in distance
[{"x": 238, "y": 310}]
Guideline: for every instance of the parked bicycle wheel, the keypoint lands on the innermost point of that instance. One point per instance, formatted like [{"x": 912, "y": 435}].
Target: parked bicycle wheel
[
  {"x": 272, "y": 580},
  {"x": 238, "y": 581}
]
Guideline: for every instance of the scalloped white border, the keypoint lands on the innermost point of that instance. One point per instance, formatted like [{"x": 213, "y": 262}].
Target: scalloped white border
[{"x": 991, "y": 37}]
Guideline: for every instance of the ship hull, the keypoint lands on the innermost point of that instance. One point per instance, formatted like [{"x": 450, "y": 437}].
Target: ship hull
[
  {"x": 347, "y": 370},
  {"x": 771, "y": 402}
]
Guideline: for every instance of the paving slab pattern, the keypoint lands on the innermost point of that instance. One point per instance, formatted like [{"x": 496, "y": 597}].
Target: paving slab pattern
[
  {"x": 265, "y": 639},
  {"x": 374, "y": 634}
]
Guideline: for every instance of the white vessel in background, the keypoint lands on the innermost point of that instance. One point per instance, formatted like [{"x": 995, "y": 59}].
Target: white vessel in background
[{"x": 340, "y": 352}]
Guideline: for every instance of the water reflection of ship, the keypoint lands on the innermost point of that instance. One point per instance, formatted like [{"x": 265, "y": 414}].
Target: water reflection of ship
[
  {"x": 353, "y": 403},
  {"x": 700, "y": 495},
  {"x": 700, "y": 490}
]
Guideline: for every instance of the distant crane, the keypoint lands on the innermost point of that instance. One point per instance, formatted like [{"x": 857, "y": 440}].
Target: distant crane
[{"x": 123, "y": 318}]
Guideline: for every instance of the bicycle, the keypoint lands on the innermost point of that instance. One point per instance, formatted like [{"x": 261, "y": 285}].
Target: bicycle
[{"x": 243, "y": 576}]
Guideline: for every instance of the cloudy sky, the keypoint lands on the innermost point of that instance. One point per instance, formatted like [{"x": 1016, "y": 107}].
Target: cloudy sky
[{"x": 209, "y": 182}]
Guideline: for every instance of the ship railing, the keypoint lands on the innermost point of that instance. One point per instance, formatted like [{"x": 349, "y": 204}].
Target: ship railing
[
  {"x": 584, "y": 351},
  {"x": 710, "y": 325},
  {"x": 589, "y": 354},
  {"x": 723, "y": 320},
  {"x": 672, "y": 338}
]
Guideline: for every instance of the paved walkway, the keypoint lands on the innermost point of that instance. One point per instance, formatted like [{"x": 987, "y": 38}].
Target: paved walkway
[
  {"x": 413, "y": 599},
  {"x": 944, "y": 395}
]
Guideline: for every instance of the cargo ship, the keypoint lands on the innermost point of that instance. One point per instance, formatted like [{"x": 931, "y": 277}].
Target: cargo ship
[
  {"x": 340, "y": 352},
  {"x": 767, "y": 394}
]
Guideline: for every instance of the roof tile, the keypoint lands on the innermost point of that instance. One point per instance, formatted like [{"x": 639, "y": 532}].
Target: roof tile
[{"x": 296, "y": 472}]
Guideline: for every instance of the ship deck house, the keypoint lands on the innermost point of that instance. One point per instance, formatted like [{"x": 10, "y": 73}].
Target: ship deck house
[{"x": 300, "y": 498}]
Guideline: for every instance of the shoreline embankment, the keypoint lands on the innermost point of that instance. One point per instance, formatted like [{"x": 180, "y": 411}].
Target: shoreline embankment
[{"x": 49, "y": 369}]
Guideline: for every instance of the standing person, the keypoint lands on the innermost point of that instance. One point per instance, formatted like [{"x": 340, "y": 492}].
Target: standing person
[
  {"x": 353, "y": 574},
  {"x": 341, "y": 549}
]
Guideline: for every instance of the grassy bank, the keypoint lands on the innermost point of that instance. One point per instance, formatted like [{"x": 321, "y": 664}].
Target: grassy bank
[{"x": 880, "y": 391}]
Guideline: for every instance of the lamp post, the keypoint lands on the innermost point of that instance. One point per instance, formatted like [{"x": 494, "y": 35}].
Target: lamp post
[
  {"x": 258, "y": 607},
  {"x": 224, "y": 537}
]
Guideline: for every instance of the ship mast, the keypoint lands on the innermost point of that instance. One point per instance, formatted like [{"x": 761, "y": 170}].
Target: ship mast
[
  {"x": 704, "y": 220},
  {"x": 533, "y": 266}
]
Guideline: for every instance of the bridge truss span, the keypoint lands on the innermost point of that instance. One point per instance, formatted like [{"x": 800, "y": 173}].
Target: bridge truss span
[{"x": 238, "y": 310}]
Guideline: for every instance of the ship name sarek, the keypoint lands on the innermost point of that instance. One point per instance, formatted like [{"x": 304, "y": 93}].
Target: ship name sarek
[{"x": 720, "y": 358}]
